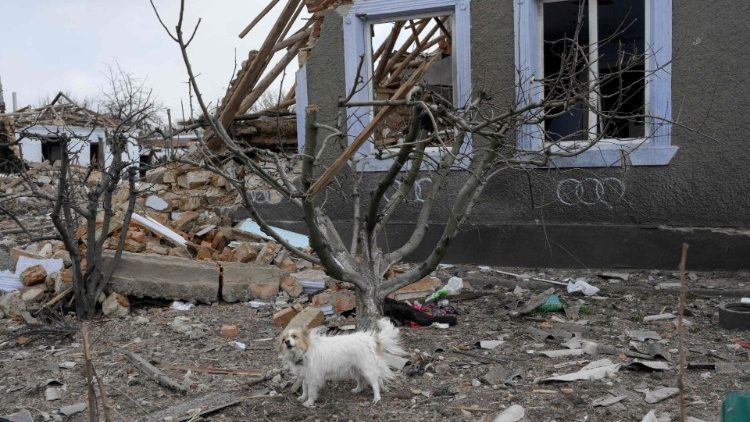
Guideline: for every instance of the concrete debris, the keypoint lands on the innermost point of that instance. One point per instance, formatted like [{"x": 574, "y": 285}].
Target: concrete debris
[
  {"x": 660, "y": 317},
  {"x": 181, "y": 306},
  {"x": 643, "y": 335},
  {"x": 490, "y": 344},
  {"x": 33, "y": 294},
  {"x": 12, "y": 305},
  {"x": 610, "y": 275},
  {"x": 195, "y": 408},
  {"x": 54, "y": 392},
  {"x": 23, "y": 415},
  {"x": 116, "y": 305},
  {"x": 73, "y": 409},
  {"x": 593, "y": 371},
  {"x": 607, "y": 400},
  {"x": 661, "y": 394},
  {"x": 512, "y": 414}
]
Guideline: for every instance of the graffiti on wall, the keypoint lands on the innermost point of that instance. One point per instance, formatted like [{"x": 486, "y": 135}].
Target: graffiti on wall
[
  {"x": 420, "y": 191},
  {"x": 590, "y": 191}
]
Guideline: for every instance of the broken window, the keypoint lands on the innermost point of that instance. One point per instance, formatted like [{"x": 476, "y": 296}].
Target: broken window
[
  {"x": 604, "y": 40},
  {"x": 619, "y": 53},
  {"x": 398, "y": 50},
  {"x": 393, "y": 45}
]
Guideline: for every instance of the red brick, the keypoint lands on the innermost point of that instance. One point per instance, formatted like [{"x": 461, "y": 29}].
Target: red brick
[
  {"x": 35, "y": 274},
  {"x": 283, "y": 317}
]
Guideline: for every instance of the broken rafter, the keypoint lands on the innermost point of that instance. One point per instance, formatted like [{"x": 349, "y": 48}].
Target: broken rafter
[
  {"x": 264, "y": 84},
  {"x": 363, "y": 136},
  {"x": 258, "y": 65},
  {"x": 258, "y": 18}
]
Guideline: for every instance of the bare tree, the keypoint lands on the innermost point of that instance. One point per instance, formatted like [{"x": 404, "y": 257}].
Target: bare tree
[
  {"x": 82, "y": 199},
  {"x": 478, "y": 137}
]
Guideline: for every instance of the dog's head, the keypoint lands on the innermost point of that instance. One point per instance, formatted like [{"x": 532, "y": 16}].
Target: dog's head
[{"x": 293, "y": 341}]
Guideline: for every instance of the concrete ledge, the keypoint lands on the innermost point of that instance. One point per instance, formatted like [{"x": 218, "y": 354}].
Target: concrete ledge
[
  {"x": 165, "y": 277},
  {"x": 243, "y": 282},
  {"x": 579, "y": 245}
]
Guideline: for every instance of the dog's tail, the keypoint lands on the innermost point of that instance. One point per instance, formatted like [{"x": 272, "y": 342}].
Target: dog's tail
[{"x": 388, "y": 338}]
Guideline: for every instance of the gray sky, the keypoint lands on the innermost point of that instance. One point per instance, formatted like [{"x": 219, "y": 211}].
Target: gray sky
[{"x": 48, "y": 46}]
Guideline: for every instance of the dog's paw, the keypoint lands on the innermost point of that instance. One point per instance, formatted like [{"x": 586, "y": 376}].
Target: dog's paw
[
  {"x": 357, "y": 390},
  {"x": 375, "y": 401},
  {"x": 309, "y": 404},
  {"x": 301, "y": 398}
]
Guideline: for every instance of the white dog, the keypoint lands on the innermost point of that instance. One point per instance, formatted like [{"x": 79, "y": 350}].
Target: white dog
[{"x": 316, "y": 358}]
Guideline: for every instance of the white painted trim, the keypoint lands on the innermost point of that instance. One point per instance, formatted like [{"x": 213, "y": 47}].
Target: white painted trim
[
  {"x": 654, "y": 151},
  {"x": 301, "y": 106},
  {"x": 356, "y": 36}
]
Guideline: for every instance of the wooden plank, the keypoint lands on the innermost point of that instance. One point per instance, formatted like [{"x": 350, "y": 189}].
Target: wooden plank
[
  {"x": 352, "y": 149},
  {"x": 263, "y": 85},
  {"x": 259, "y": 64},
  {"x": 258, "y": 18}
]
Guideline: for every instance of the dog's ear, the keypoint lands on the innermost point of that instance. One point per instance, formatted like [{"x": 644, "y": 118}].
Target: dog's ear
[{"x": 280, "y": 342}]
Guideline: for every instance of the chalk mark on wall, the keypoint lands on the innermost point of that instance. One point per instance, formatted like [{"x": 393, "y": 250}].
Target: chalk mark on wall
[
  {"x": 591, "y": 191},
  {"x": 419, "y": 191}
]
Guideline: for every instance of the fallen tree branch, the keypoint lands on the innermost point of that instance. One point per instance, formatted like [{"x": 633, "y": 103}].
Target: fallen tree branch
[{"x": 154, "y": 373}]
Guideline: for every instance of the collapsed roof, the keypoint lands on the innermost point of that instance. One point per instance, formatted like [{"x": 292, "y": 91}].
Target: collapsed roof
[{"x": 410, "y": 45}]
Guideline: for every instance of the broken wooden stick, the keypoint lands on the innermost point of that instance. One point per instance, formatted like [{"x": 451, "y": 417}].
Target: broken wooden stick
[
  {"x": 215, "y": 371},
  {"x": 154, "y": 373},
  {"x": 58, "y": 297},
  {"x": 91, "y": 375},
  {"x": 270, "y": 374},
  {"x": 681, "y": 331}
]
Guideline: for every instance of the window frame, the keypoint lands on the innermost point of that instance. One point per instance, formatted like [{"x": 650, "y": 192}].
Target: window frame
[
  {"x": 357, "y": 43},
  {"x": 655, "y": 149}
]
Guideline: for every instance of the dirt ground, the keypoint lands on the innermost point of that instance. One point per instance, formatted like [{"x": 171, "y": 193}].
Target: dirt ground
[{"x": 447, "y": 378}]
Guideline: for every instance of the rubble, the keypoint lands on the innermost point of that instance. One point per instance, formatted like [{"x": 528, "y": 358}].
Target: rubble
[
  {"x": 116, "y": 305},
  {"x": 33, "y": 275}
]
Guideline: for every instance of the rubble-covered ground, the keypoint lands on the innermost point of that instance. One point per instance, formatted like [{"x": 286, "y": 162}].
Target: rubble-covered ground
[{"x": 449, "y": 376}]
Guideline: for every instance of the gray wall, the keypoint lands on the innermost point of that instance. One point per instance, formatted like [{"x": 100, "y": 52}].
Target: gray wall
[{"x": 701, "y": 194}]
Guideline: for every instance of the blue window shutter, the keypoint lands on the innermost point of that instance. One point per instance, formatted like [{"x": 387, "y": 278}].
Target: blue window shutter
[
  {"x": 528, "y": 68},
  {"x": 659, "y": 71}
]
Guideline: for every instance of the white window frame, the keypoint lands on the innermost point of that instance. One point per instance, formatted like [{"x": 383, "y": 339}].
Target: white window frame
[
  {"x": 357, "y": 44},
  {"x": 655, "y": 149}
]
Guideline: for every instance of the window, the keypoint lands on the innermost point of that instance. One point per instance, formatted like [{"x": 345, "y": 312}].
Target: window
[
  {"x": 625, "y": 54},
  {"x": 445, "y": 31}
]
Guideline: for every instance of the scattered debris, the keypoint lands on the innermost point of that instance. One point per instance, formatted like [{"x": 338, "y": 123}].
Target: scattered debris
[
  {"x": 154, "y": 373},
  {"x": 661, "y": 394},
  {"x": 660, "y": 317},
  {"x": 490, "y": 344},
  {"x": 295, "y": 239},
  {"x": 116, "y": 305},
  {"x": 73, "y": 409},
  {"x": 593, "y": 371},
  {"x": 23, "y": 415},
  {"x": 734, "y": 316},
  {"x": 580, "y": 285},
  {"x": 643, "y": 335},
  {"x": 607, "y": 400},
  {"x": 512, "y": 414},
  {"x": 229, "y": 331},
  {"x": 609, "y": 275},
  {"x": 197, "y": 407}
]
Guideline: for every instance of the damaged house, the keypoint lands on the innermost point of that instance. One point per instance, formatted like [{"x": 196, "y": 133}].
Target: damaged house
[
  {"x": 88, "y": 132},
  {"x": 675, "y": 175}
]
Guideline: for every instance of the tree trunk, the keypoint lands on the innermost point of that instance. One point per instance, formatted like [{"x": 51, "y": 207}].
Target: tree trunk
[{"x": 369, "y": 308}]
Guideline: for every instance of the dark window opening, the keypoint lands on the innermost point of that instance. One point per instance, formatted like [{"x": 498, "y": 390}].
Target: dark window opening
[{"x": 618, "y": 63}]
